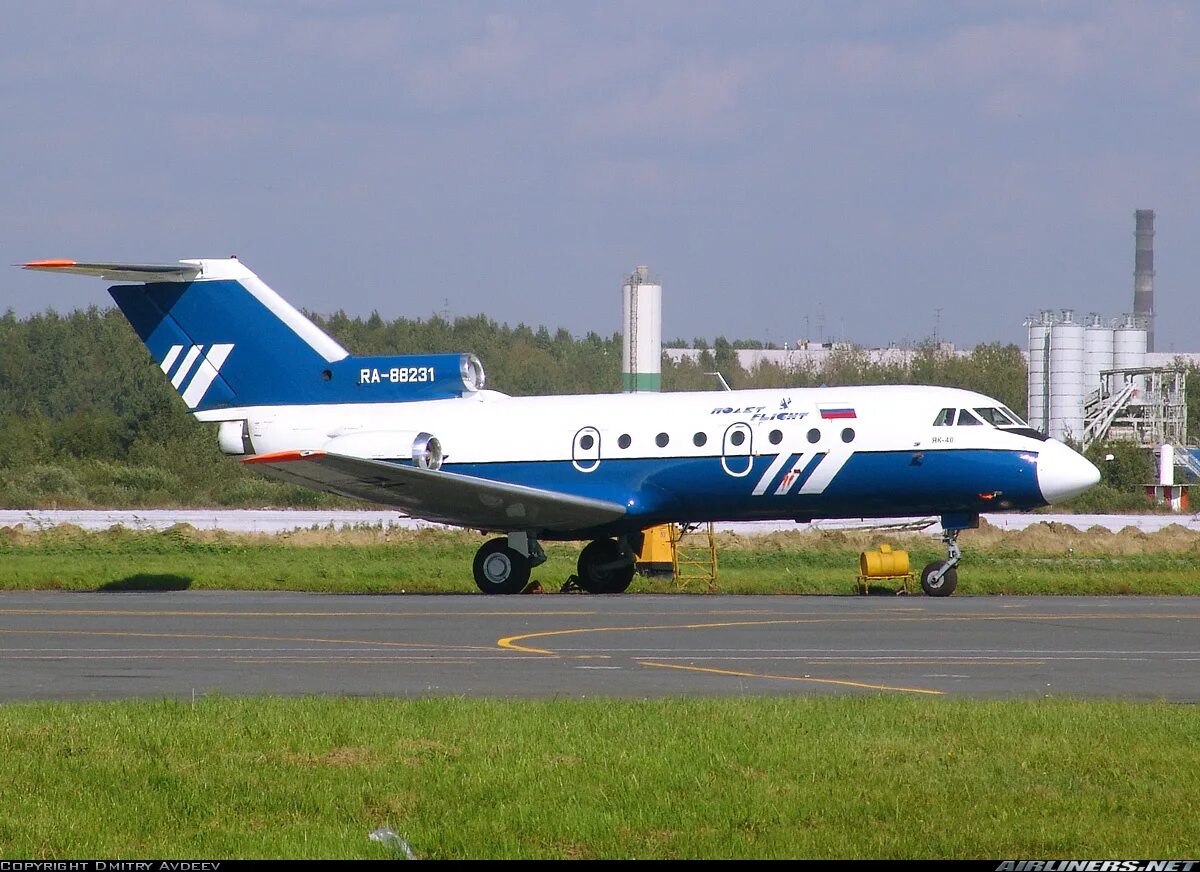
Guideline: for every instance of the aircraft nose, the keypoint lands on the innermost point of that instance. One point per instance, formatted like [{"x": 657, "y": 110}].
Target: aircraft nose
[{"x": 1063, "y": 473}]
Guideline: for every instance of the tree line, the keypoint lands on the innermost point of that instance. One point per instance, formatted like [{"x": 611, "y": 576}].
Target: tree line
[{"x": 87, "y": 418}]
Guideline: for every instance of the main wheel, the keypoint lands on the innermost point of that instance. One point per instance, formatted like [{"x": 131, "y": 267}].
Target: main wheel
[
  {"x": 944, "y": 586},
  {"x": 500, "y": 569},
  {"x": 603, "y": 568}
]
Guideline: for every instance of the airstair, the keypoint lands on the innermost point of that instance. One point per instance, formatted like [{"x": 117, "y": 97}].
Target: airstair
[{"x": 694, "y": 547}]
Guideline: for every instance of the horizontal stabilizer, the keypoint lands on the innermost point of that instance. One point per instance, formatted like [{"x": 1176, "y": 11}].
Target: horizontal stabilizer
[
  {"x": 438, "y": 495},
  {"x": 182, "y": 271}
]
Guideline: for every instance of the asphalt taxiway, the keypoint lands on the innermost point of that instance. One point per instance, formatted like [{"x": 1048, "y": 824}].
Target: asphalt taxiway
[{"x": 56, "y": 645}]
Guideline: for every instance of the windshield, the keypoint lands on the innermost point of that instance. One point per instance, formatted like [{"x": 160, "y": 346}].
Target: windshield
[
  {"x": 996, "y": 417},
  {"x": 1020, "y": 421}
]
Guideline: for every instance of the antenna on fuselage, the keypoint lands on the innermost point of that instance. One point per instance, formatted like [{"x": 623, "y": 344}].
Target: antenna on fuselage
[{"x": 721, "y": 379}]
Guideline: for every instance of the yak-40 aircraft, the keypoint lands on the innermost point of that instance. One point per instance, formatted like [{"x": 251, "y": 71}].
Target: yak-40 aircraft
[{"x": 420, "y": 433}]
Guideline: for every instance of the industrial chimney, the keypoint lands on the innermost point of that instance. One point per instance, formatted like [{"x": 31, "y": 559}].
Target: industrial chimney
[{"x": 1143, "y": 272}]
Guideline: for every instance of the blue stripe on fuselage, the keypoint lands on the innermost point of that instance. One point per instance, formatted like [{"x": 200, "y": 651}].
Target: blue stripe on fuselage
[{"x": 870, "y": 484}]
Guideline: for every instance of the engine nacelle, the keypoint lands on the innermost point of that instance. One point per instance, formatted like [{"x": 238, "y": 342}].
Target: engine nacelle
[
  {"x": 424, "y": 449},
  {"x": 233, "y": 437}
]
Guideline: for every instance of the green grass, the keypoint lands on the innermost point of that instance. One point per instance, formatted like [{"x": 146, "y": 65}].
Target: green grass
[
  {"x": 775, "y": 777},
  {"x": 1046, "y": 561}
]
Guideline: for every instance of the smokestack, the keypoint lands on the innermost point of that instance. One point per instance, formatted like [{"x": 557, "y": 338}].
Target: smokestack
[{"x": 1143, "y": 272}]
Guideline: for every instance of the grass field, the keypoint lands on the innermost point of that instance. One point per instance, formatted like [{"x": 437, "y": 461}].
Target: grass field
[
  {"x": 755, "y": 777},
  {"x": 795, "y": 777},
  {"x": 1042, "y": 559}
]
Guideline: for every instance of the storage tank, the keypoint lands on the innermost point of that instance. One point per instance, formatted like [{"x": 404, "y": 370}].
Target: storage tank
[
  {"x": 1066, "y": 378},
  {"x": 1129, "y": 349},
  {"x": 641, "y": 348},
  {"x": 1097, "y": 351},
  {"x": 1039, "y": 349}
]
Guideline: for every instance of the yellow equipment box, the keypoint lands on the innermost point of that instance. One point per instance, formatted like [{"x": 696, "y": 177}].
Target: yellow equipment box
[
  {"x": 657, "y": 557},
  {"x": 883, "y": 564}
]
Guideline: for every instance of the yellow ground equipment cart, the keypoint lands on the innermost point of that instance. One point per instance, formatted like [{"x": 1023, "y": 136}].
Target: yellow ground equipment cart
[
  {"x": 685, "y": 553},
  {"x": 883, "y": 565},
  {"x": 657, "y": 557}
]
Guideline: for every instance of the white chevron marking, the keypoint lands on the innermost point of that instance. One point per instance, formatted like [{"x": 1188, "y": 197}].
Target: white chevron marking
[
  {"x": 792, "y": 476},
  {"x": 186, "y": 366},
  {"x": 769, "y": 475},
  {"x": 825, "y": 472},
  {"x": 169, "y": 360},
  {"x": 205, "y": 374}
]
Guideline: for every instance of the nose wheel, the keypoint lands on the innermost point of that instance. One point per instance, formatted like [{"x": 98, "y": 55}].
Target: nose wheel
[{"x": 940, "y": 578}]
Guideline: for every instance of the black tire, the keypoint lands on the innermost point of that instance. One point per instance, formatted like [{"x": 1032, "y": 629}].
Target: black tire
[
  {"x": 945, "y": 585},
  {"x": 500, "y": 569},
  {"x": 596, "y": 572}
]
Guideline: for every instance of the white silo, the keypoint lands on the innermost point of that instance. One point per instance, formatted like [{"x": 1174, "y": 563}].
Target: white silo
[
  {"x": 641, "y": 349},
  {"x": 1066, "y": 378},
  {"x": 1039, "y": 350},
  {"x": 1097, "y": 351},
  {"x": 1129, "y": 350},
  {"x": 1129, "y": 344}
]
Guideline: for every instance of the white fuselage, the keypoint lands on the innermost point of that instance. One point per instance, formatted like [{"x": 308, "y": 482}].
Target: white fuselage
[{"x": 800, "y": 452}]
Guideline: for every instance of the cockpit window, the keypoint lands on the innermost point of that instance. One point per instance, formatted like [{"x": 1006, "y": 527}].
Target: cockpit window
[
  {"x": 945, "y": 418},
  {"x": 965, "y": 417},
  {"x": 995, "y": 417},
  {"x": 1017, "y": 418}
]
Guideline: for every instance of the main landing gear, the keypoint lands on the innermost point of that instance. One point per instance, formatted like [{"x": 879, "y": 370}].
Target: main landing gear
[
  {"x": 503, "y": 565},
  {"x": 940, "y": 577},
  {"x": 606, "y": 566}
]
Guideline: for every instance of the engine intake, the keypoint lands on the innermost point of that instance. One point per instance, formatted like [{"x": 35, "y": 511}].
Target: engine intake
[{"x": 423, "y": 449}]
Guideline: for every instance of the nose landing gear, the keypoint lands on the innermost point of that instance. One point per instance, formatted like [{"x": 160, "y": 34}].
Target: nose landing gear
[{"x": 940, "y": 578}]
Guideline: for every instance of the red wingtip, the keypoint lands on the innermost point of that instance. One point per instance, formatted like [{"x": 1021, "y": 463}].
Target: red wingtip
[
  {"x": 47, "y": 264},
  {"x": 284, "y": 456}
]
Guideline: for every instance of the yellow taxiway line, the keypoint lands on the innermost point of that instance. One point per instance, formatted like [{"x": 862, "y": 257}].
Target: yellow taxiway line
[{"x": 809, "y": 678}]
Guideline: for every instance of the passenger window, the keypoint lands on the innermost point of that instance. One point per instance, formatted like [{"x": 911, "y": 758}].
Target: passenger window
[
  {"x": 945, "y": 418},
  {"x": 661, "y": 440},
  {"x": 738, "y": 437},
  {"x": 624, "y": 440},
  {"x": 814, "y": 435},
  {"x": 847, "y": 435},
  {"x": 700, "y": 439},
  {"x": 965, "y": 417},
  {"x": 776, "y": 437}
]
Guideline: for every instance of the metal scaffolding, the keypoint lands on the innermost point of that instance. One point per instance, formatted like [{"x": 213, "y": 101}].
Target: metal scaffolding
[{"x": 1147, "y": 406}]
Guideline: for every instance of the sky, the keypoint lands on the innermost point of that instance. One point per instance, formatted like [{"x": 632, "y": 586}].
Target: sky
[{"x": 868, "y": 171}]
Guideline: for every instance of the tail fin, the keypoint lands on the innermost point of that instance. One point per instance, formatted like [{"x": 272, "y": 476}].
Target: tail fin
[{"x": 219, "y": 333}]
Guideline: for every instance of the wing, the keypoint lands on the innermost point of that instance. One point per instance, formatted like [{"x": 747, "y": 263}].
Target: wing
[
  {"x": 122, "y": 272},
  {"x": 437, "y": 495}
]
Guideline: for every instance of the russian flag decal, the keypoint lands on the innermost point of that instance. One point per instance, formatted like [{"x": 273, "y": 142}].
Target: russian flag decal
[{"x": 835, "y": 413}]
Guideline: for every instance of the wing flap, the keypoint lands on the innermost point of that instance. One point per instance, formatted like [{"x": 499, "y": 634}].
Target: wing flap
[
  {"x": 121, "y": 272},
  {"x": 438, "y": 495}
]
